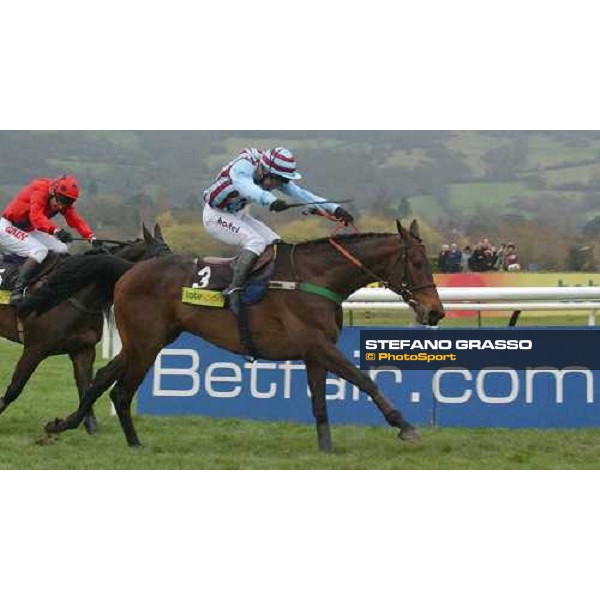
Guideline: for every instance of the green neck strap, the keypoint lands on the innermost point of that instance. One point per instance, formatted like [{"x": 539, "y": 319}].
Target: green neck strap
[{"x": 320, "y": 291}]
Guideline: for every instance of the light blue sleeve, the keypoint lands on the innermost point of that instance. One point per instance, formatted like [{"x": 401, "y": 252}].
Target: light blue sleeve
[
  {"x": 242, "y": 178},
  {"x": 302, "y": 195}
]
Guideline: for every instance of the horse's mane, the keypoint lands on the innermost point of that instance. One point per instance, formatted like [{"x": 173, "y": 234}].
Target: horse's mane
[
  {"x": 70, "y": 276},
  {"x": 345, "y": 238}
]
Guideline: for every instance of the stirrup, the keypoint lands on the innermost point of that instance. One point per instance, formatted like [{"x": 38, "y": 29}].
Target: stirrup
[
  {"x": 233, "y": 303},
  {"x": 228, "y": 292},
  {"x": 16, "y": 298}
]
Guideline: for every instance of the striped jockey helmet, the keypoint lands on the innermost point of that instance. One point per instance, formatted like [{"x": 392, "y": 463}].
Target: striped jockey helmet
[{"x": 280, "y": 162}]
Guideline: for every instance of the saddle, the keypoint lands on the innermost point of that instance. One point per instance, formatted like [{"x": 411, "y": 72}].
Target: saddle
[
  {"x": 10, "y": 264},
  {"x": 213, "y": 274},
  {"x": 266, "y": 258}
]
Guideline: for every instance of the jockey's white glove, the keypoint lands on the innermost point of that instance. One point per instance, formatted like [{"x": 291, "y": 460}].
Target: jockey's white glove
[{"x": 96, "y": 243}]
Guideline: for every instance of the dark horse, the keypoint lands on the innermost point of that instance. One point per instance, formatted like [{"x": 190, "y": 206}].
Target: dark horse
[
  {"x": 73, "y": 328},
  {"x": 286, "y": 325}
]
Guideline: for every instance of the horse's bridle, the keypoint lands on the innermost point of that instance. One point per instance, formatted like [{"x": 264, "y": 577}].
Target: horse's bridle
[{"x": 406, "y": 290}]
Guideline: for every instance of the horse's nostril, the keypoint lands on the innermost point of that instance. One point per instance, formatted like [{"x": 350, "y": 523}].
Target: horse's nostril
[{"x": 435, "y": 316}]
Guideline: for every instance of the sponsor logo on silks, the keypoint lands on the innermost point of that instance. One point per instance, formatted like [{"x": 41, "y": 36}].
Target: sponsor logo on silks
[
  {"x": 228, "y": 225},
  {"x": 4, "y": 297},
  {"x": 16, "y": 233},
  {"x": 199, "y": 297}
]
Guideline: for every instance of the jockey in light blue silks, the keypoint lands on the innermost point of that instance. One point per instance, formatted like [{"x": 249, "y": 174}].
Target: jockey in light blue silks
[{"x": 252, "y": 177}]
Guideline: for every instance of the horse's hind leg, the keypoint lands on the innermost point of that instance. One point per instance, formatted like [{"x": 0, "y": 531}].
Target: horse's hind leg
[
  {"x": 122, "y": 397},
  {"x": 122, "y": 394},
  {"x": 141, "y": 345},
  {"x": 105, "y": 377},
  {"x": 83, "y": 369},
  {"x": 317, "y": 376},
  {"x": 334, "y": 361},
  {"x": 28, "y": 363}
]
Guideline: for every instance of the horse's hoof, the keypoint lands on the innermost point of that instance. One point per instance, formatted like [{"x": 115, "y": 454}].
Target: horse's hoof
[
  {"x": 409, "y": 435},
  {"x": 55, "y": 426},
  {"x": 91, "y": 428}
]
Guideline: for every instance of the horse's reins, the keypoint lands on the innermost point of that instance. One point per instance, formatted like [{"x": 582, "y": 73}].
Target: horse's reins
[
  {"x": 340, "y": 225},
  {"x": 115, "y": 242},
  {"x": 406, "y": 291}
]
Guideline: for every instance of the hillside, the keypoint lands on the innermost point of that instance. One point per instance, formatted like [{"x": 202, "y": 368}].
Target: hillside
[
  {"x": 457, "y": 181},
  {"x": 446, "y": 172}
]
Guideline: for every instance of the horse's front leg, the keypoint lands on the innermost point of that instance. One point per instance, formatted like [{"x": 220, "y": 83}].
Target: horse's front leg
[
  {"x": 28, "y": 363},
  {"x": 83, "y": 369},
  {"x": 317, "y": 377},
  {"x": 331, "y": 359}
]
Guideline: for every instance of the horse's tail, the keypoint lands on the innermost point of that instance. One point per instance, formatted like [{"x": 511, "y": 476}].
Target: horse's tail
[{"x": 71, "y": 276}]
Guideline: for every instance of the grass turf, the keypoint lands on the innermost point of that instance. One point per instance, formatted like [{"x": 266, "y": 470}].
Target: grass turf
[{"x": 203, "y": 443}]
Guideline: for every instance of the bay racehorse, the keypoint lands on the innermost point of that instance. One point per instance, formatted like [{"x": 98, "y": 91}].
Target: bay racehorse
[
  {"x": 303, "y": 324},
  {"x": 73, "y": 328}
]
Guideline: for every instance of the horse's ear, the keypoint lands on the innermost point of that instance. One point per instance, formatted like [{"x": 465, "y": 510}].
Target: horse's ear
[
  {"x": 147, "y": 235},
  {"x": 158, "y": 233},
  {"x": 414, "y": 230},
  {"x": 401, "y": 230}
]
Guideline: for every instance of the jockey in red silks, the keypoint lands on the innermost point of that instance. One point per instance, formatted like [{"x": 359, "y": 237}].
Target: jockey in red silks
[
  {"x": 26, "y": 229},
  {"x": 252, "y": 177}
]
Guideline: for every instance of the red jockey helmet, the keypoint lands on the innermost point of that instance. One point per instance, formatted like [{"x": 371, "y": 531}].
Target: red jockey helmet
[{"x": 65, "y": 189}]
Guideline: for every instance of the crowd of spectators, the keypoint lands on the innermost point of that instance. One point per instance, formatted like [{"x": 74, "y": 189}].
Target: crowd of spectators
[{"x": 484, "y": 257}]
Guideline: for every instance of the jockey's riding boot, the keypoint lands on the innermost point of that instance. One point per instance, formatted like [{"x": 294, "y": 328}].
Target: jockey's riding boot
[
  {"x": 27, "y": 272},
  {"x": 241, "y": 270}
]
